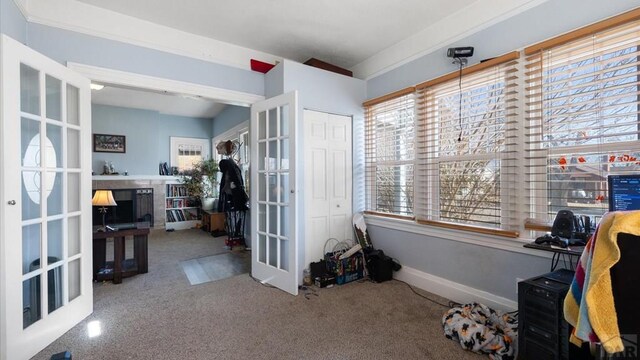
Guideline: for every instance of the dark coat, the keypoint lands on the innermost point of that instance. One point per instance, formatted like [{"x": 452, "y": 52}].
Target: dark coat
[{"x": 233, "y": 197}]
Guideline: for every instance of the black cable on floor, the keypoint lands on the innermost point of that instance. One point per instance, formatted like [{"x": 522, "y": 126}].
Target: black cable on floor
[{"x": 451, "y": 303}]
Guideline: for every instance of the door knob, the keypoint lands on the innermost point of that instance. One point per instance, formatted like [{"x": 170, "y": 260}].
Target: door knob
[
  {"x": 338, "y": 205},
  {"x": 11, "y": 202}
]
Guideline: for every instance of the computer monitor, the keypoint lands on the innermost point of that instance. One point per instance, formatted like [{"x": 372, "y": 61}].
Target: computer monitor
[{"x": 624, "y": 192}]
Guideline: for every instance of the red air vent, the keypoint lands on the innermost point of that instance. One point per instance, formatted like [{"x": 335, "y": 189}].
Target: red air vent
[{"x": 260, "y": 66}]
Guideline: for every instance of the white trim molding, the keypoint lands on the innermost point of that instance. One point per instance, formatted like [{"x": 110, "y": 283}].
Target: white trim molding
[
  {"x": 490, "y": 241},
  {"x": 92, "y": 20},
  {"x": 453, "y": 291},
  {"x": 476, "y": 17},
  {"x": 146, "y": 82}
]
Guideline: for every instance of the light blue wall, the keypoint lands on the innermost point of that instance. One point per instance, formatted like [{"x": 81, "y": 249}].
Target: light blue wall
[
  {"x": 147, "y": 137},
  {"x": 329, "y": 92},
  {"x": 12, "y": 22},
  {"x": 549, "y": 19},
  {"x": 274, "y": 81},
  {"x": 63, "y": 45},
  {"x": 230, "y": 117},
  {"x": 487, "y": 269}
]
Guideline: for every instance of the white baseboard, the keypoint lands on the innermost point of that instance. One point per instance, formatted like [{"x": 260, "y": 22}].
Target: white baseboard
[{"x": 452, "y": 290}]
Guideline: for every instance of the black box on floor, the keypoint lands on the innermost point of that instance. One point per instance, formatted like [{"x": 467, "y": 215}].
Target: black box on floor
[
  {"x": 379, "y": 265},
  {"x": 325, "y": 281}
]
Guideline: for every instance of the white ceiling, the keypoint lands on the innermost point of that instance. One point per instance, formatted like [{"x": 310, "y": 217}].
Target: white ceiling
[
  {"x": 164, "y": 103},
  {"x": 343, "y": 33}
]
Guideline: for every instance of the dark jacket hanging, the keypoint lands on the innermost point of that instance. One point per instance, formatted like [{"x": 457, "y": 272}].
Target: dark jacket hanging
[{"x": 233, "y": 197}]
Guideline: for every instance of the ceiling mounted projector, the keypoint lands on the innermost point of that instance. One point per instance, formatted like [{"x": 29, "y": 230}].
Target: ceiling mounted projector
[{"x": 460, "y": 52}]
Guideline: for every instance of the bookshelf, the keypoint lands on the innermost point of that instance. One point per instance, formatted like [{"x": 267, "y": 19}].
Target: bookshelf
[{"x": 182, "y": 211}]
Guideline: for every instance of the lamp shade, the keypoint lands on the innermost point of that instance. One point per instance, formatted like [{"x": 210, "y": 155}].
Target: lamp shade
[{"x": 103, "y": 198}]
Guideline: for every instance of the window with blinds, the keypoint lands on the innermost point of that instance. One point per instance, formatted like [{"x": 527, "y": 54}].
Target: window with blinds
[
  {"x": 467, "y": 145},
  {"x": 389, "y": 155},
  {"x": 582, "y": 120}
]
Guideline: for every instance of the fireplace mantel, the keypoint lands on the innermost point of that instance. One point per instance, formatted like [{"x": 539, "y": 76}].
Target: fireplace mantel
[
  {"x": 135, "y": 177},
  {"x": 157, "y": 182}
]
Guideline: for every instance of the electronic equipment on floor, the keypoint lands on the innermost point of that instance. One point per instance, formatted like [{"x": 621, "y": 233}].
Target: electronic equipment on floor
[{"x": 543, "y": 334}]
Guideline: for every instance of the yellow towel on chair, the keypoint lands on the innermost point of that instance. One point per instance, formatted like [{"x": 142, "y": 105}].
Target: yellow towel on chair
[{"x": 599, "y": 296}]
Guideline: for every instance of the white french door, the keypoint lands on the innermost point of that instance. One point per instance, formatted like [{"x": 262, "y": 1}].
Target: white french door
[
  {"x": 45, "y": 236},
  {"x": 274, "y": 239}
]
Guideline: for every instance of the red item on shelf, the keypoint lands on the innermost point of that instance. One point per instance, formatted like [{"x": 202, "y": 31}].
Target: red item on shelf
[{"x": 260, "y": 66}]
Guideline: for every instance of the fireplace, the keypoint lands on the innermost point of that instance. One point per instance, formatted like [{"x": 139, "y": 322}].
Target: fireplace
[{"x": 133, "y": 205}]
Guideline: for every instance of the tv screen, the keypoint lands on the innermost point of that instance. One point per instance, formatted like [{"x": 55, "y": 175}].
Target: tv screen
[{"x": 624, "y": 192}]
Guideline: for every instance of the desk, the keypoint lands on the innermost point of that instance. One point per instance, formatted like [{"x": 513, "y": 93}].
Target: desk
[
  {"x": 572, "y": 250},
  {"x": 121, "y": 267},
  {"x": 212, "y": 221}
]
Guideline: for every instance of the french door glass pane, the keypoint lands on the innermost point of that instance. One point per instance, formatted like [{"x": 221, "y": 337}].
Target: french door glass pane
[
  {"x": 262, "y": 125},
  {"x": 284, "y": 154},
  {"x": 273, "y": 219},
  {"x": 73, "y": 105},
  {"x": 53, "y": 151},
  {"x": 31, "y": 298},
  {"x": 262, "y": 155},
  {"x": 30, "y": 142},
  {"x": 54, "y": 288},
  {"x": 73, "y": 235},
  {"x": 284, "y": 120},
  {"x": 54, "y": 193},
  {"x": 273, "y": 154},
  {"x": 30, "y": 248},
  {"x": 29, "y": 90},
  {"x": 73, "y": 149},
  {"x": 273, "y": 251},
  {"x": 262, "y": 248},
  {"x": 284, "y": 221},
  {"x": 74, "y": 279},
  {"x": 262, "y": 187},
  {"x": 54, "y": 241},
  {"x": 273, "y": 123},
  {"x": 73, "y": 192},
  {"x": 54, "y": 98},
  {"x": 284, "y": 254},
  {"x": 262, "y": 217},
  {"x": 284, "y": 188},
  {"x": 31, "y": 194},
  {"x": 273, "y": 188}
]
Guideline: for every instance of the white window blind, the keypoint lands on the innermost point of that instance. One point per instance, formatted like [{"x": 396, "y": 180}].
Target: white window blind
[
  {"x": 389, "y": 155},
  {"x": 582, "y": 120},
  {"x": 467, "y": 149}
]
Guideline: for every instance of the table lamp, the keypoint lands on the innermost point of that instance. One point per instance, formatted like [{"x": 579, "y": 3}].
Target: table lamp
[{"x": 103, "y": 198}]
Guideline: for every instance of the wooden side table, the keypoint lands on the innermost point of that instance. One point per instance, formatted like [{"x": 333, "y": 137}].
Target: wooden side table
[
  {"x": 212, "y": 221},
  {"x": 122, "y": 267}
]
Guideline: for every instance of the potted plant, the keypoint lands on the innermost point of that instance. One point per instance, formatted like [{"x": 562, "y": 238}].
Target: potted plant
[{"x": 201, "y": 182}]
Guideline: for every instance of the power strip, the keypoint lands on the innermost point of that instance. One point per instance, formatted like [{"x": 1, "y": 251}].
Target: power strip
[{"x": 351, "y": 251}]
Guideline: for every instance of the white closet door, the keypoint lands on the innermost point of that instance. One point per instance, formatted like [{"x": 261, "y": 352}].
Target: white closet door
[{"x": 328, "y": 178}]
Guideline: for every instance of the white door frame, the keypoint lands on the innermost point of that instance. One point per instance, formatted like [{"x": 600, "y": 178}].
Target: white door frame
[{"x": 152, "y": 83}]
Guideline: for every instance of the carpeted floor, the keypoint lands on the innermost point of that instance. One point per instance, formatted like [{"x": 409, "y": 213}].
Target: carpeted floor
[{"x": 159, "y": 315}]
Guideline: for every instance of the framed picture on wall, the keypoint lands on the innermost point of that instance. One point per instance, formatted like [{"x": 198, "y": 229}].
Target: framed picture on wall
[{"x": 109, "y": 143}]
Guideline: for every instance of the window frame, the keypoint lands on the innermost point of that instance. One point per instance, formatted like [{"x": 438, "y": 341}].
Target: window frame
[
  {"x": 522, "y": 204},
  {"x": 176, "y": 142}
]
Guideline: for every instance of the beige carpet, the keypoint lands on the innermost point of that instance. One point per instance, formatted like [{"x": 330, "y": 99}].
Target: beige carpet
[{"x": 159, "y": 315}]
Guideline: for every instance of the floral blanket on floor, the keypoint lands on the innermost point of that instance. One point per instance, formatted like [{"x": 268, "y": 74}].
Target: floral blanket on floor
[{"x": 482, "y": 330}]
